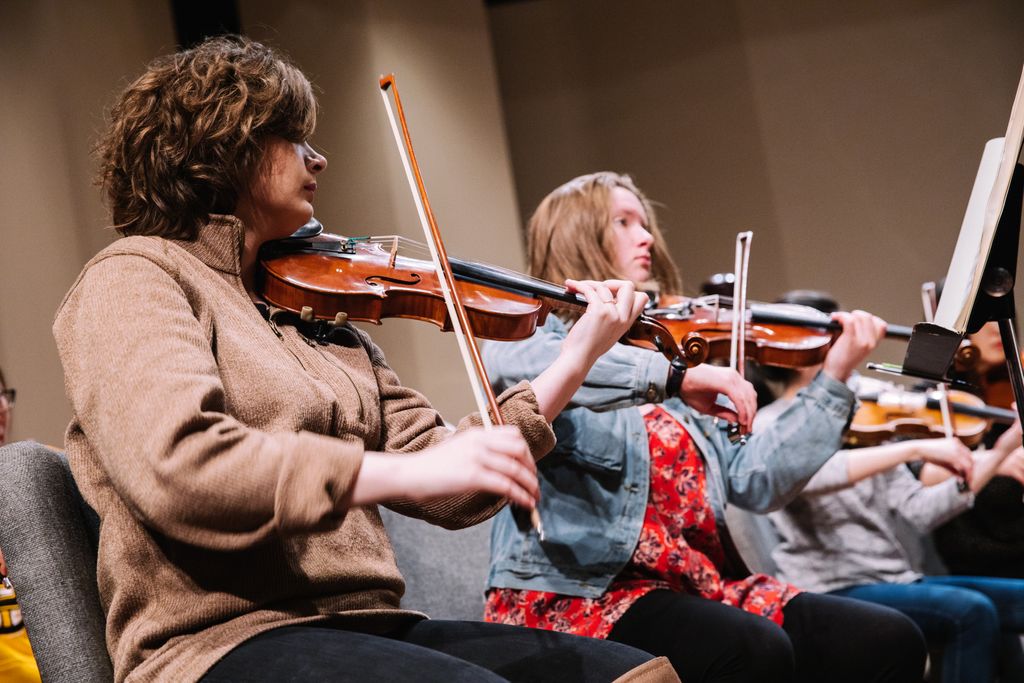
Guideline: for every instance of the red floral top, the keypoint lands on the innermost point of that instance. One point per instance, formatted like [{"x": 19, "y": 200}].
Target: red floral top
[{"x": 678, "y": 550}]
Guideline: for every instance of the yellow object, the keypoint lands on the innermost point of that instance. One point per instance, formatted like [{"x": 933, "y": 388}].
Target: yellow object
[{"x": 17, "y": 665}]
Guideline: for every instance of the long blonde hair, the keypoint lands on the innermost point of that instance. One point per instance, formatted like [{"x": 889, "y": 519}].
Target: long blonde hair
[{"x": 570, "y": 234}]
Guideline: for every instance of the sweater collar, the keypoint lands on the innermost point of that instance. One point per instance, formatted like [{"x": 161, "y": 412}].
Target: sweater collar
[{"x": 219, "y": 244}]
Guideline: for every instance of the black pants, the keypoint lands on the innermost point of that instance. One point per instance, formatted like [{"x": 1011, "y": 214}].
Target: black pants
[
  {"x": 824, "y": 638},
  {"x": 427, "y": 651}
]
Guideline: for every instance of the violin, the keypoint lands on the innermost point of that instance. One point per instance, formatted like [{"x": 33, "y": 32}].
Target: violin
[
  {"x": 780, "y": 335},
  {"x": 333, "y": 279},
  {"x": 889, "y": 411}
]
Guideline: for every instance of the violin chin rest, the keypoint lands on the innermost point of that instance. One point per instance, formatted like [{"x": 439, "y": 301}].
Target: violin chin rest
[{"x": 310, "y": 229}]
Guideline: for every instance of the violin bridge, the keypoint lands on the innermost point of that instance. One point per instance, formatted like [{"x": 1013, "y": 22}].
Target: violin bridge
[{"x": 394, "y": 252}]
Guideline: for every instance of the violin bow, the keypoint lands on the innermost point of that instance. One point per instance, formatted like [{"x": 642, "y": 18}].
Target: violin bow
[
  {"x": 738, "y": 346},
  {"x": 738, "y": 341},
  {"x": 486, "y": 402}
]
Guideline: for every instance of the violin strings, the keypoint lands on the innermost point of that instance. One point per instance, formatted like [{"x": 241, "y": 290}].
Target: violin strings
[
  {"x": 412, "y": 248},
  {"x": 408, "y": 246}
]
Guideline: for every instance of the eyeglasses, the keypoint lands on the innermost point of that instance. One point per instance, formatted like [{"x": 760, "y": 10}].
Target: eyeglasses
[{"x": 7, "y": 397}]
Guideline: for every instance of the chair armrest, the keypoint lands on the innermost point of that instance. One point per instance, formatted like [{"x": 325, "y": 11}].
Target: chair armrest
[{"x": 52, "y": 563}]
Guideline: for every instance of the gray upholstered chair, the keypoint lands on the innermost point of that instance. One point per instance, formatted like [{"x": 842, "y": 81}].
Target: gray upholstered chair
[
  {"x": 445, "y": 571},
  {"x": 48, "y": 536}
]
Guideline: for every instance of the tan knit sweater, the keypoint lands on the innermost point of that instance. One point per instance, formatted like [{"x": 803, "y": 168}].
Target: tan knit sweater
[{"x": 218, "y": 448}]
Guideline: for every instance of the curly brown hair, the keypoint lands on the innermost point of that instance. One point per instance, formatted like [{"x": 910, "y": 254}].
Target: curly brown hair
[
  {"x": 570, "y": 234},
  {"x": 187, "y": 136}
]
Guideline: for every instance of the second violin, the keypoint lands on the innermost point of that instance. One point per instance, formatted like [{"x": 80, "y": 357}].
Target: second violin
[{"x": 778, "y": 335}]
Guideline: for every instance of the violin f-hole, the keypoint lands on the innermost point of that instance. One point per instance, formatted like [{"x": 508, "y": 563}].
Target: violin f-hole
[{"x": 413, "y": 279}]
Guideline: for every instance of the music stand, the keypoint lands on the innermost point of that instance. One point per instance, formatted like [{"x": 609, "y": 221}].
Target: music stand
[{"x": 982, "y": 272}]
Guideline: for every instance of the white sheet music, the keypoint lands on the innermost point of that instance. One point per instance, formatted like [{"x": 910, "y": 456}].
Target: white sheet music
[
  {"x": 972, "y": 247},
  {"x": 985, "y": 207}
]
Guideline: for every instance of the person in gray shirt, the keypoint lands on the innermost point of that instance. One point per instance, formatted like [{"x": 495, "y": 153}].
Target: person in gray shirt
[{"x": 839, "y": 537}]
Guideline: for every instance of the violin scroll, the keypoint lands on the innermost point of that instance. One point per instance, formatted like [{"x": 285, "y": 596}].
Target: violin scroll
[{"x": 651, "y": 333}]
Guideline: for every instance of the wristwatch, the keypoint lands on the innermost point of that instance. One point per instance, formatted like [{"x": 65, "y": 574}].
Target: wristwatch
[{"x": 674, "y": 384}]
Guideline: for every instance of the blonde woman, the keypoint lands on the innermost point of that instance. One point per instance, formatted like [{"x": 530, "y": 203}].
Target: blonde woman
[{"x": 635, "y": 548}]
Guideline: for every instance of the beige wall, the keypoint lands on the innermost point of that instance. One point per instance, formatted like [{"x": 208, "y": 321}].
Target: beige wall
[
  {"x": 61, "y": 63},
  {"x": 846, "y": 135}
]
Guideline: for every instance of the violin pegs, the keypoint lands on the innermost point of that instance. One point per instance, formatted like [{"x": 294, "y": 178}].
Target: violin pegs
[
  {"x": 306, "y": 314},
  {"x": 340, "y": 318}
]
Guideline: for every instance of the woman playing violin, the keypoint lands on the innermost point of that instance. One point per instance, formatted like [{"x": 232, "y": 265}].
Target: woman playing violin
[
  {"x": 839, "y": 537},
  {"x": 635, "y": 548},
  {"x": 235, "y": 463}
]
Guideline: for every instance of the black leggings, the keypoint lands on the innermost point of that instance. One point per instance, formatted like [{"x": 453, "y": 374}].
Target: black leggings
[
  {"x": 824, "y": 638},
  {"x": 427, "y": 651}
]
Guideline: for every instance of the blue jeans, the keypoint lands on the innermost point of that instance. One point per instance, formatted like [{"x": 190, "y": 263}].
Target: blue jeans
[{"x": 975, "y": 619}]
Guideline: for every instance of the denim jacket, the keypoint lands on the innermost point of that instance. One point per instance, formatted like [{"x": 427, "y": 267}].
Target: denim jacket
[{"x": 594, "y": 484}]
